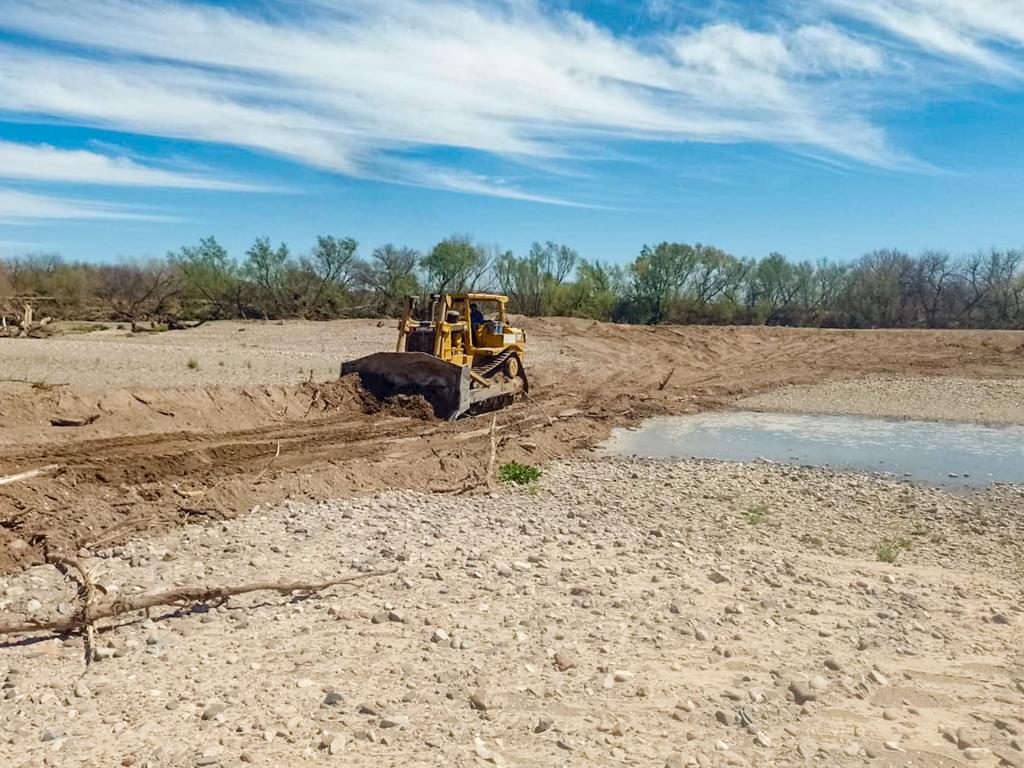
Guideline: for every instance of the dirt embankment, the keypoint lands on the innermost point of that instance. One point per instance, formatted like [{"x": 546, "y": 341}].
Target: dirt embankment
[{"x": 247, "y": 424}]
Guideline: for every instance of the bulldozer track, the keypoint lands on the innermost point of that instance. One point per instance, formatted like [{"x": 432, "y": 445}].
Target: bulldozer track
[{"x": 493, "y": 365}]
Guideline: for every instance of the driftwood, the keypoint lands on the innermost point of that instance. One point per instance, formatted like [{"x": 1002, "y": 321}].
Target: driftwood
[
  {"x": 664, "y": 382},
  {"x": 93, "y": 610},
  {"x": 29, "y": 474}
]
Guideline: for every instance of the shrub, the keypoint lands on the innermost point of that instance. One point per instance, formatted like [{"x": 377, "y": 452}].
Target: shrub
[
  {"x": 756, "y": 515},
  {"x": 889, "y": 550}
]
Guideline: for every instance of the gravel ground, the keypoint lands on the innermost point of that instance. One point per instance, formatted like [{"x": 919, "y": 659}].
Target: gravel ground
[
  {"x": 992, "y": 401},
  {"x": 225, "y": 353},
  {"x": 231, "y": 353},
  {"x": 621, "y": 613}
]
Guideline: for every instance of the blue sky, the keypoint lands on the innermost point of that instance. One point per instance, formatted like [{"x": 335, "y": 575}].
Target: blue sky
[{"x": 818, "y": 128}]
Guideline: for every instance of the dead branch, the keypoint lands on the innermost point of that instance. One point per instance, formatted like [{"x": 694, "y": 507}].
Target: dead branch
[
  {"x": 86, "y": 594},
  {"x": 317, "y": 398},
  {"x": 494, "y": 452},
  {"x": 540, "y": 408},
  {"x": 259, "y": 477},
  {"x": 148, "y": 404},
  {"x": 108, "y": 609},
  {"x": 40, "y": 385},
  {"x": 664, "y": 382},
  {"x": 29, "y": 474}
]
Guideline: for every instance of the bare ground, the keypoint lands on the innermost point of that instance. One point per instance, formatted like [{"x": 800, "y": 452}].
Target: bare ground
[
  {"x": 620, "y": 613},
  {"x": 172, "y": 443}
]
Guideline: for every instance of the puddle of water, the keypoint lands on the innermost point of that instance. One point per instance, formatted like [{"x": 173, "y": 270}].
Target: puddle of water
[{"x": 943, "y": 453}]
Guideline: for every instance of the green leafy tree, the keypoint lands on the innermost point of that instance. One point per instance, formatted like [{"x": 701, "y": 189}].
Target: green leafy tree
[
  {"x": 331, "y": 267},
  {"x": 656, "y": 278},
  {"x": 391, "y": 276},
  {"x": 534, "y": 282},
  {"x": 456, "y": 264},
  {"x": 212, "y": 278},
  {"x": 265, "y": 267}
]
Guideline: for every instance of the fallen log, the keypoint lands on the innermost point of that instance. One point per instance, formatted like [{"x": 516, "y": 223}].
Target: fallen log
[{"x": 109, "y": 609}]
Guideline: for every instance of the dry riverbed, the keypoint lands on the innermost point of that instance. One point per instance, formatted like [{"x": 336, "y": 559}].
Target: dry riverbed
[{"x": 621, "y": 613}]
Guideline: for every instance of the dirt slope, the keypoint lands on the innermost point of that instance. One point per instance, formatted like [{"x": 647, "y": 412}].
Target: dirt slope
[{"x": 255, "y": 430}]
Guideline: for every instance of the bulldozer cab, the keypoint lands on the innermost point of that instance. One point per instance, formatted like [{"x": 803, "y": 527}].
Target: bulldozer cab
[{"x": 462, "y": 328}]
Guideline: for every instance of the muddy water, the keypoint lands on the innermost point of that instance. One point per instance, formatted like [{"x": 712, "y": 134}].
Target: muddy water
[{"x": 946, "y": 453}]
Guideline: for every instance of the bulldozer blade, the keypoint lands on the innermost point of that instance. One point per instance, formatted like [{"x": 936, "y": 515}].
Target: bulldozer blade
[
  {"x": 442, "y": 384},
  {"x": 446, "y": 386}
]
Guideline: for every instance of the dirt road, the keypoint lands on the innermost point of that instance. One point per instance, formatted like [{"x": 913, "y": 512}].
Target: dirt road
[{"x": 209, "y": 422}]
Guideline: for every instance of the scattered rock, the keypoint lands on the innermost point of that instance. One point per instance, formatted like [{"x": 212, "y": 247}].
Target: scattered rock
[
  {"x": 394, "y": 721},
  {"x": 726, "y": 717},
  {"x": 333, "y": 699},
  {"x": 483, "y": 700},
  {"x": 803, "y": 691},
  {"x": 976, "y": 753},
  {"x": 214, "y": 709},
  {"x": 564, "y": 662}
]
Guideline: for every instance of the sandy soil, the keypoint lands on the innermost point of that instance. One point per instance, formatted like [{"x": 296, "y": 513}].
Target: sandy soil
[
  {"x": 954, "y": 398},
  {"x": 172, "y": 443},
  {"x": 623, "y": 613},
  {"x": 620, "y": 613}
]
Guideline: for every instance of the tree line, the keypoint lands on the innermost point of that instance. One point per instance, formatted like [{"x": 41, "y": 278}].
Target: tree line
[{"x": 666, "y": 283}]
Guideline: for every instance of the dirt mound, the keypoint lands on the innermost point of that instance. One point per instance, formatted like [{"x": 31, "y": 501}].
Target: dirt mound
[
  {"x": 165, "y": 453},
  {"x": 345, "y": 393}
]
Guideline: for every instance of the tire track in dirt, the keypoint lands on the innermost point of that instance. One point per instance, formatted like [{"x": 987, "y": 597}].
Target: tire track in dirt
[{"x": 130, "y": 468}]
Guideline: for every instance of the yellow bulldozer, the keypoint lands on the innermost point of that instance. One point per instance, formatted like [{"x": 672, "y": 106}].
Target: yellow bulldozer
[{"x": 460, "y": 357}]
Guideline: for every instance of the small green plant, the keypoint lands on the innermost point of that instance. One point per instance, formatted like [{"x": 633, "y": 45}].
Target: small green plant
[
  {"x": 812, "y": 542},
  {"x": 756, "y": 515},
  {"x": 192, "y": 363},
  {"x": 515, "y": 473},
  {"x": 889, "y": 550}
]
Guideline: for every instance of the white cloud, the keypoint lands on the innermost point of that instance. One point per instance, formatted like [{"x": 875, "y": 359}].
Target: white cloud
[
  {"x": 351, "y": 86},
  {"x": 45, "y": 163},
  {"x": 985, "y": 33},
  {"x": 17, "y": 207}
]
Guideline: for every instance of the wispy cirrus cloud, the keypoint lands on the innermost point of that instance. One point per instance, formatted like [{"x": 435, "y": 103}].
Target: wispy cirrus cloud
[
  {"x": 45, "y": 163},
  {"x": 18, "y": 207},
  {"x": 346, "y": 86},
  {"x": 382, "y": 89},
  {"x": 985, "y": 33}
]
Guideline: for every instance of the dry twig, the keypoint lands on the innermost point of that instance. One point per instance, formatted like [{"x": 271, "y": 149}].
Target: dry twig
[
  {"x": 664, "y": 382},
  {"x": 93, "y": 611},
  {"x": 259, "y": 477},
  {"x": 540, "y": 408},
  {"x": 494, "y": 452},
  {"x": 29, "y": 474}
]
